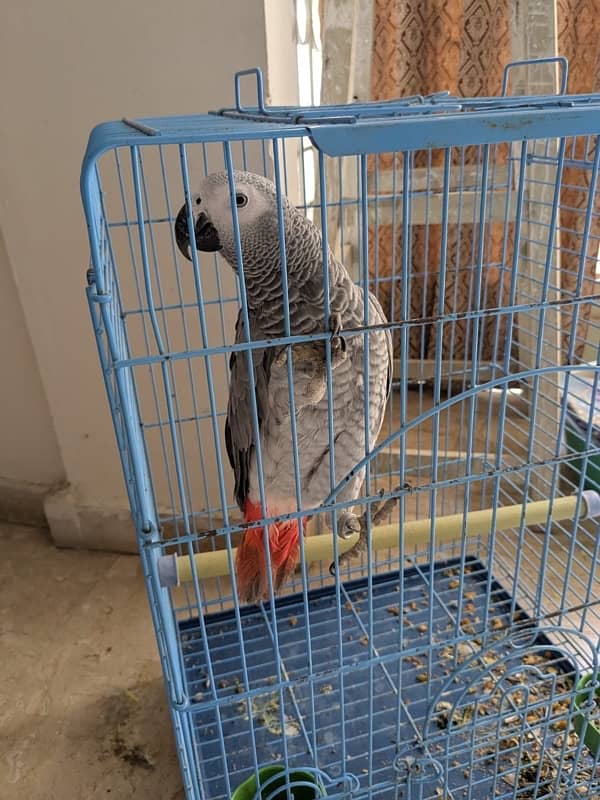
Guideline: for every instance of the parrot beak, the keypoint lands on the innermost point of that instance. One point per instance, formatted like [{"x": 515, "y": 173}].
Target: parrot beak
[{"x": 205, "y": 234}]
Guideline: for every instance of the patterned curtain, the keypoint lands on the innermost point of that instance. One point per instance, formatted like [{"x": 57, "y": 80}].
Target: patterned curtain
[
  {"x": 424, "y": 46},
  {"x": 579, "y": 40},
  {"x": 420, "y": 47}
]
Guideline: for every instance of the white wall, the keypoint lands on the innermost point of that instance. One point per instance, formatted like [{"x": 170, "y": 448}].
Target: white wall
[
  {"x": 67, "y": 65},
  {"x": 28, "y": 448}
]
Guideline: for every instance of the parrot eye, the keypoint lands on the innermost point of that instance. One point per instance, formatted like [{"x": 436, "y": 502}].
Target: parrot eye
[
  {"x": 241, "y": 200},
  {"x": 198, "y": 201}
]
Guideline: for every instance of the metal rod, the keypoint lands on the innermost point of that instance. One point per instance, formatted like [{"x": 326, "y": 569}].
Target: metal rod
[{"x": 175, "y": 570}]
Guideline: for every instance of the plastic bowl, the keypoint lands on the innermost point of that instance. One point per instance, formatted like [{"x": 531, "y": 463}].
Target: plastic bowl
[
  {"x": 575, "y": 435},
  {"x": 590, "y": 732},
  {"x": 269, "y": 784}
]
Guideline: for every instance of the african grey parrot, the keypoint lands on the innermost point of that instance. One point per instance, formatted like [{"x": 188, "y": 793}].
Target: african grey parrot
[{"x": 256, "y": 201}]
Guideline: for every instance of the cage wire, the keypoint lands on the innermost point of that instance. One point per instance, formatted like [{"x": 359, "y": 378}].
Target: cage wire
[{"x": 446, "y": 659}]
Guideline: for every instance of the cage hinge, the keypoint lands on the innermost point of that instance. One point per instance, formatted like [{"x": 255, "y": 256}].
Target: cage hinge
[{"x": 105, "y": 297}]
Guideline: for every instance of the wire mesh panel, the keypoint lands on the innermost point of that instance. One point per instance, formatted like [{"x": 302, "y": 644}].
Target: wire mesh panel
[{"x": 386, "y": 371}]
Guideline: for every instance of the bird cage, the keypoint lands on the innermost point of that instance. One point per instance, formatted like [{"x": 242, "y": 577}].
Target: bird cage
[{"x": 446, "y": 645}]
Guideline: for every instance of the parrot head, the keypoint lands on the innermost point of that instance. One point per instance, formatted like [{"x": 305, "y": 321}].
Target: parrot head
[{"x": 256, "y": 205}]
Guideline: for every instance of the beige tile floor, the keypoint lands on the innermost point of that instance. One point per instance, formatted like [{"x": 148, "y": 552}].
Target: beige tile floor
[{"x": 82, "y": 710}]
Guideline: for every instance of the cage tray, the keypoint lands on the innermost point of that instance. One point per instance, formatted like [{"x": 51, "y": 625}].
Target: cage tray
[{"x": 388, "y": 680}]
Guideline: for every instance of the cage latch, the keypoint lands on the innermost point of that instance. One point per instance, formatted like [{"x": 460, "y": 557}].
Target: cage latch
[{"x": 417, "y": 768}]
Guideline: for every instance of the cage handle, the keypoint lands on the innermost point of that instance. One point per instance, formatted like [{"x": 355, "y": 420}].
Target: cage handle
[
  {"x": 260, "y": 90},
  {"x": 560, "y": 60}
]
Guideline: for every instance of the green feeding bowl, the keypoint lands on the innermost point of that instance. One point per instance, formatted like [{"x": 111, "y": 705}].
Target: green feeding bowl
[
  {"x": 580, "y": 399},
  {"x": 590, "y": 732},
  {"x": 274, "y": 783}
]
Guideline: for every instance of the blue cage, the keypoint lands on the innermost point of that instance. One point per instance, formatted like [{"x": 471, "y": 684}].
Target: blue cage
[{"x": 456, "y": 654}]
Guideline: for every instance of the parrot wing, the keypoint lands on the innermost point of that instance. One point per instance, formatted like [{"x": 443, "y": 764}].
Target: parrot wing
[
  {"x": 379, "y": 316},
  {"x": 239, "y": 430}
]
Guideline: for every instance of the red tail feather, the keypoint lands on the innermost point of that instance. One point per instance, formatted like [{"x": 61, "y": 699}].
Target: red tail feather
[{"x": 251, "y": 560}]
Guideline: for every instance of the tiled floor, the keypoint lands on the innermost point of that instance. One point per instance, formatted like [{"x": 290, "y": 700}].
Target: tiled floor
[{"x": 82, "y": 708}]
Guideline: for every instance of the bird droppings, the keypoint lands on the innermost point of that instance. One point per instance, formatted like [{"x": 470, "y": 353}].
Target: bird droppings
[
  {"x": 135, "y": 756},
  {"x": 266, "y": 711},
  {"x": 515, "y": 745},
  {"x": 123, "y": 739},
  {"x": 460, "y": 716}
]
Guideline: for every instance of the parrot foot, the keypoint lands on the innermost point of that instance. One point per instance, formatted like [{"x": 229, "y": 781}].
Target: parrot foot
[
  {"x": 280, "y": 359},
  {"x": 348, "y": 525},
  {"x": 310, "y": 374},
  {"x": 379, "y": 510},
  {"x": 310, "y": 368},
  {"x": 338, "y": 343}
]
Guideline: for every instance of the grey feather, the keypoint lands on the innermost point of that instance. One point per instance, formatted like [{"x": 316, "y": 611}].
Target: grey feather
[{"x": 239, "y": 430}]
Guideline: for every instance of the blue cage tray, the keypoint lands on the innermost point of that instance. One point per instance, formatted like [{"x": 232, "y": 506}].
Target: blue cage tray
[{"x": 387, "y": 670}]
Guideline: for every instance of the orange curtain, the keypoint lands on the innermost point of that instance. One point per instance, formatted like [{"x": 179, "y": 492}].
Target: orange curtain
[
  {"x": 579, "y": 40},
  {"x": 424, "y": 46},
  {"x": 420, "y": 47}
]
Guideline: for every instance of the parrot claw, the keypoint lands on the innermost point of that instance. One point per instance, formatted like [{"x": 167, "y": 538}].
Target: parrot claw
[
  {"x": 280, "y": 359},
  {"x": 348, "y": 525},
  {"x": 335, "y": 323},
  {"x": 338, "y": 351},
  {"x": 338, "y": 343}
]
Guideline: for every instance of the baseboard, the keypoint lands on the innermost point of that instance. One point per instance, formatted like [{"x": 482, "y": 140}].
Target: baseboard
[
  {"x": 75, "y": 525},
  {"x": 22, "y": 503},
  {"x": 94, "y": 528}
]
